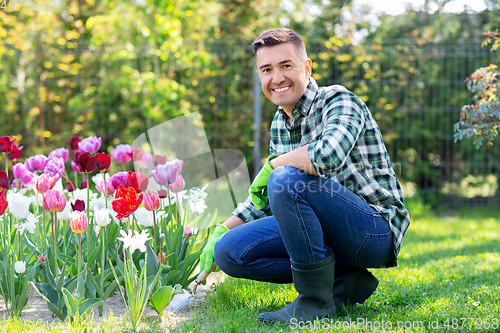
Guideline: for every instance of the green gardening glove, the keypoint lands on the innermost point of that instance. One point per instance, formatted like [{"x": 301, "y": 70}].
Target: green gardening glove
[
  {"x": 258, "y": 189},
  {"x": 207, "y": 256}
]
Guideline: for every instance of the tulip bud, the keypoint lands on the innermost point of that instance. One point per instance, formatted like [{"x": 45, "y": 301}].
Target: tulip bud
[{"x": 20, "y": 267}]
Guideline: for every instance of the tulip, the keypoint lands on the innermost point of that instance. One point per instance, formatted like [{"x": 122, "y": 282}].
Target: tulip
[
  {"x": 4, "y": 180},
  {"x": 159, "y": 160},
  {"x": 78, "y": 205},
  {"x": 122, "y": 153},
  {"x": 126, "y": 201},
  {"x": 102, "y": 217},
  {"x": 19, "y": 206},
  {"x": 178, "y": 185},
  {"x": 162, "y": 193},
  {"x": 144, "y": 217},
  {"x": 64, "y": 215},
  {"x": 75, "y": 167},
  {"x": 45, "y": 183},
  {"x": 119, "y": 178},
  {"x": 5, "y": 144},
  {"x": 3, "y": 205},
  {"x": 73, "y": 142},
  {"x": 54, "y": 201},
  {"x": 188, "y": 231},
  {"x": 90, "y": 145},
  {"x": 36, "y": 163},
  {"x": 70, "y": 186},
  {"x": 55, "y": 167},
  {"x": 83, "y": 184},
  {"x": 60, "y": 152},
  {"x": 84, "y": 161},
  {"x": 15, "y": 152},
  {"x": 166, "y": 173},
  {"x": 20, "y": 267},
  {"x": 141, "y": 158},
  {"x": 151, "y": 200},
  {"x": 163, "y": 257},
  {"x": 42, "y": 258},
  {"x": 136, "y": 180},
  {"x": 110, "y": 189},
  {"x": 103, "y": 161},
  {"x": 23, "y": 175},
  {"x": 78, "y": 221}
]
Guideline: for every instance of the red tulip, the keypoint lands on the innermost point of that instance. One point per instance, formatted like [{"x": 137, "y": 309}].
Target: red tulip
[
  {"x": 42, "y": 258},
  {"x": 83, "y": 184},
  {"x": 5, "y": 144},
  {"x": 163, "y": 257},
  {"x": 78, "y": 221},
  {"x": 15, "y": 152},
  {"x": 136, "y": 180},
  {"x": 103, "y": 161},
  {"x": 126, "y": 201},
  {"x": 73, "y": 142},
  {"x": 70, "y": 186},
  {"x": 54, "y": 201},
  {"x": 4, "y": 180},
  {"x": 3, "y": 205},
  {"x": 84, "y": 161}
]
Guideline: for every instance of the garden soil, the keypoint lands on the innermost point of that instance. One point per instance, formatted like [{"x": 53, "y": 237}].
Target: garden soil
[{"x": 37, "y": 309}]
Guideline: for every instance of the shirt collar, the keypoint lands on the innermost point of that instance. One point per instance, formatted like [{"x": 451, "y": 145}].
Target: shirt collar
[{"x": 304, "y": 104}]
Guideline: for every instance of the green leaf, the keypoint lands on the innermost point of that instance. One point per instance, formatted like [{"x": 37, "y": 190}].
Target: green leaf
[
  {"x": 71, "y": 303},
  {"x": 162, "y": 298},
  {"x": 152, "y": 260},
  {"x": 89, "y": 304}
]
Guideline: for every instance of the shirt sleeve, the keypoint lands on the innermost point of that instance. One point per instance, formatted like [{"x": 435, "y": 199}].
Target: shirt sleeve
[
  {"x": 248, "y": 212},
  {"x": 343, "y": 123}
]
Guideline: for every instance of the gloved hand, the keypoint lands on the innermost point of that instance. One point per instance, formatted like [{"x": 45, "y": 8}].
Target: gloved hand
[
  {"x": 207, "y": 256},
  {"x": 258, "y": 189}
]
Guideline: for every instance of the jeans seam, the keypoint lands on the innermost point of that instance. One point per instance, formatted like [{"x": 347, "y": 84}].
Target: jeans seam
[
  {"x": 304, "y": 230},
  {"x": 255, "y": 244},
  {"x": 367, "y": 237}
]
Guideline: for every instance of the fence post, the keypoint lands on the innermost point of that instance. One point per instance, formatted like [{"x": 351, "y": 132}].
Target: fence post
[{"x": 257, "y": 122}]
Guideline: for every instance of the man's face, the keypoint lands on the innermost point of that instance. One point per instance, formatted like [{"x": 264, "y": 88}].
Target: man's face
[{"x": 283, "y": 75}]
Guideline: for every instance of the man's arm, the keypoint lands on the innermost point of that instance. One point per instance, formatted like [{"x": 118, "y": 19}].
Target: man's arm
[{"x": 297, "y": 158}]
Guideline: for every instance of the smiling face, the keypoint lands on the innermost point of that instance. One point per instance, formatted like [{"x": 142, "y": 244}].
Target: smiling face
[{"x": 284, "y": 75}]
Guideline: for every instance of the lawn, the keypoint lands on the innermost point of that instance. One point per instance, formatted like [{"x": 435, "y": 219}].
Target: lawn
[{"x": 447, "y": 281}]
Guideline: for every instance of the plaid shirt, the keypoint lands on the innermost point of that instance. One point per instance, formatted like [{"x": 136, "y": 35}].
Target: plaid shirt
[{"x": 345, "y": 145}]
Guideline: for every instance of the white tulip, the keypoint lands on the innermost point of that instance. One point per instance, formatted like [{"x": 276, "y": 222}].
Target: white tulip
[
  {"x": 102, "y": 217},
  {"x": 19, "y": 206},
  {"x": 144, "y": 217},
  {"x": 64, "y": 215},
  {"x": 20, "y": 267}
]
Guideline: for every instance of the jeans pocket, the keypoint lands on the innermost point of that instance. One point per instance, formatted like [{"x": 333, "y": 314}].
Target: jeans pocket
[{"x": 375, "y": 250}]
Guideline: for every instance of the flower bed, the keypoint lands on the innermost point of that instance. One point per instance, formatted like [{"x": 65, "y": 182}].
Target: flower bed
[{"x": 77, "y": 240}]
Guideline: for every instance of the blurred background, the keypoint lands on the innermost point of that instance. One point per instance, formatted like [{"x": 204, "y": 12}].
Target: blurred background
[{"x": 117, "y": 68}]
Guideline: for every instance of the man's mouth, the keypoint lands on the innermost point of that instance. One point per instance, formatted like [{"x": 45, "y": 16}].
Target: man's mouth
[{"x": 282, "y": 89}]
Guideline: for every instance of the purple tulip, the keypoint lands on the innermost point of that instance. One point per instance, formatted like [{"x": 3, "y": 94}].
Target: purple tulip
[
  {"x": 55, "y": 167},
  {"x": 75, "y": 167},
  {"x": 36, "y": 163},
  {"x": 23, "y": 175},
  {"x": 122, "y": 153},
  {"x": 90, "y": 145},
  {"x": 118, "y": 179},
  {"x": 59, "y": 152},
  {"x": 166, "y": 173}
]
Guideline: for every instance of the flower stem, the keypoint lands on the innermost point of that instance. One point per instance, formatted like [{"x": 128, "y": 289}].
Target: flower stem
[
  {"x": 79, "y": 255},
  {"x": 105, "y": 190},
  {"x": 7, "y": 165},
  {"x": 54, "y": 245},
  {"x": 154, "y": 223},
  {"x": 102, "y": 262}
]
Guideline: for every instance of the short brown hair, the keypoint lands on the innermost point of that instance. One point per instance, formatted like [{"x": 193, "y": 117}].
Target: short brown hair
[{"x": 279, "y": 36}]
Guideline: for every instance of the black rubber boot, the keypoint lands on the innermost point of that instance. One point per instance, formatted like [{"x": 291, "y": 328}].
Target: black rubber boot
[
  {"x": 314, "y": 283},
  {"x": 353, "y": 285}
]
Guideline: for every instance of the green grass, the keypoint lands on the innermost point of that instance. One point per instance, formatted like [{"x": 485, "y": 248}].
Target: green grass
[{"x": 449, "y": 268}]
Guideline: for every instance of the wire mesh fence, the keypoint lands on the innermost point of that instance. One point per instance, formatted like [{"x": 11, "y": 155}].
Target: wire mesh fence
[{"x": 414, "y": 89}]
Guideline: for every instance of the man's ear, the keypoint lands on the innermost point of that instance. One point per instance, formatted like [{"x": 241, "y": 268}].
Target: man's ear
[{"x": 308, "y": 68}]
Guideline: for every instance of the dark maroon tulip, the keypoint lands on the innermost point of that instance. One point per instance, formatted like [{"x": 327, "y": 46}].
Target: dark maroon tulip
[
  {"x": 73, "y": 142},
  {"x": 4, "y": 180},
  {"x": 84, "y": 161},
  {"x": 83, "y": 184},
  {"x": 70, "y": 186},
  {"x": 79, "y": 205}
]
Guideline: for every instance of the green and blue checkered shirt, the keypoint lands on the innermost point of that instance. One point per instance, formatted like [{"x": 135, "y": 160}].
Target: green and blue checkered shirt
[{"x": 345, "y": 145}]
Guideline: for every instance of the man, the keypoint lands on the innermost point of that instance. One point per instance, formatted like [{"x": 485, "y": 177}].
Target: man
[{"x": 325, "y": 206}]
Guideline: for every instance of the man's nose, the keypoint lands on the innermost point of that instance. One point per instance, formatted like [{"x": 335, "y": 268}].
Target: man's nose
[{"x": 278, "y": 77}]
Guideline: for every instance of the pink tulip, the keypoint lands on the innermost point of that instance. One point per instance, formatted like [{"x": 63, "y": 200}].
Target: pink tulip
[
  {"x": 178, "y": 185},
  {"x": 45, "y": 183},
  {"x": 42, "y": 258},
  {"x": 60, "y": 152},
  {"x": 188, "y": 231},
  {"x": 36, "y": 163},
  {"x": 141, "y": 158},
  {"x": 23, "y": 175},
  {"x": 90, "y": 145},
  {"x": 54, "y": 201},
  {"x": 75, "y": 167},
  {"x": 122, "y": 153},
  {"x": 110, "y": 189},
  {"x": 151, "y": 200},
  {"x": 162, "y": 193},
  {"x": 163, "y": 257},
  {"x": 55, "y": 167},
  {"x": 119, "y": 179},
  {"x": 78, "y": 221},
  {"x": 166, "y": 173}
]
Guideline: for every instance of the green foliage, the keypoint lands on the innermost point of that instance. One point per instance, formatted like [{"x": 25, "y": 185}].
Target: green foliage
[{"x": 480, "y": 121}]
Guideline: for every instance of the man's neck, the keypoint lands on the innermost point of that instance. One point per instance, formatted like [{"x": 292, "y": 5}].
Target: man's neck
[{"x": 289, "y": 113}]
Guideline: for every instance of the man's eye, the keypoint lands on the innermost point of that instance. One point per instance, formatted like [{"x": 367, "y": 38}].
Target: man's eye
[
  {"x": 287, "y": 66},
  {"x": 265, "y": 70}
]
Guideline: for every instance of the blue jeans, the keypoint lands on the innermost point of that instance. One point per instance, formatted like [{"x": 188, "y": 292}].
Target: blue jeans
[{"x": 312, "y": 217}]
